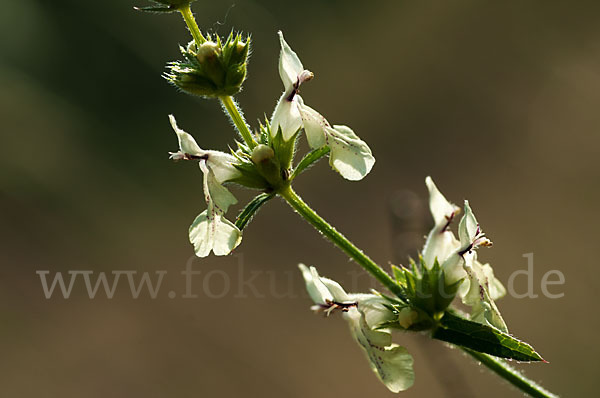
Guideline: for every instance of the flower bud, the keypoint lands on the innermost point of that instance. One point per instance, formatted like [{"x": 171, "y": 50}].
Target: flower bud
[
  {"x": 267, "y": 164},
  {"x": 262, "y": 153},
  {"x": 407, "y": 317},
  {"x": 212, "y": 70}
]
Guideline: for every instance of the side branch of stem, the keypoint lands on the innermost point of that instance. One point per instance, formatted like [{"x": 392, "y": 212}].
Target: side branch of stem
[{"x": 234, "y": 113}]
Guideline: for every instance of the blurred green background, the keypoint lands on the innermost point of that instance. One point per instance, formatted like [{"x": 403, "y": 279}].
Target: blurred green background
[{"x": 498, "y": 101}]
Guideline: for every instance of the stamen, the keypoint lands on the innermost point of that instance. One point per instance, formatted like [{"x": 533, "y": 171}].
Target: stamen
[
  {"x": 448, "y": 221},
  {"x": 331, "y": 306},
  {"x": 304, "y": 76},
  {"x": 176, "y": 156}
]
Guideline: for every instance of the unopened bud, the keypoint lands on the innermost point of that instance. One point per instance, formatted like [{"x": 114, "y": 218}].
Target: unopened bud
[
  {"x": 262, "y": 153},
  {"x": 407, "y": 317},
  {"x": 267, "y": 164}
]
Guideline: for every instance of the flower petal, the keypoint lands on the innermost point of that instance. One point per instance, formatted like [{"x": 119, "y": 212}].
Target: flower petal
[
  {"x": 217, "y": 196},
  {"x": 187, "y": 143},
  {"x": 495, "y": 287},
  {"x": 211, "y": 232},
  {"x": 440, "y": 242},
  {"x": 468, "y": 227},
  {"x": 483, "y": 307},
  {"x": 287, "y": 117},
  {"x": 374, "y": 309},
  {"x": 290, "y": 66},
  {"x": 222, "y": 165},
  {"x": 318, "y": 292},
  {"x": 323, "y": 290},
  {"x": 453, "y": 268},
  {"x": 337, "y": 292},
  {"x": 350, "y": 156},
  {"x": 440, "y": 208},
  {"x": 392, "y": 363},
  {"x": 314, "y": 125}
]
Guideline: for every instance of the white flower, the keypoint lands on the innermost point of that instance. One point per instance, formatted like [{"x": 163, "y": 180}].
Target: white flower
[
  {"x": 440, "y": 242},
  {"x": 350, "y": 156},
  {"x": 210, "y": 231},
  {"x": 459, "y": 260},
  {"x": 365, "y": 314}
]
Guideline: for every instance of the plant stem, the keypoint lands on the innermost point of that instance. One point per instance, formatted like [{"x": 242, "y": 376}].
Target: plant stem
[
  {"x": 237, "y": 119},
  {"x": 498, "y": 366},
  {"x": 510, "y": 374},
  {"x": 340, "y": 240},
  {"x": 190, "y": 21}
]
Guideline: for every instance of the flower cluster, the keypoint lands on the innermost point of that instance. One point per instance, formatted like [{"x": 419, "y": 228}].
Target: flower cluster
[
  {"x": 264, "y": 162},
  {"x": 458, "y": 258},
  {"x": 448, "y": 267}
]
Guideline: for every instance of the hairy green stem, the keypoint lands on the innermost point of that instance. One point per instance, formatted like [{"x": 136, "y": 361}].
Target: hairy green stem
[
  {"x": 237, "y": 119},
  {"x": 340, "y": 240},
  {"x": 498, "y": 366},
  {"x": 510, "y": 374},
  {"x": 190, "y": 21}
]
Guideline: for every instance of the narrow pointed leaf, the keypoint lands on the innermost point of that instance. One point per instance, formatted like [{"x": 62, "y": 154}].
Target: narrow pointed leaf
[
  {"x": 155, "y": 10},
  {"x": 308, "y": 160},
  {"x": 481, "y": 338},
  {"x": 251, "y": 208}
]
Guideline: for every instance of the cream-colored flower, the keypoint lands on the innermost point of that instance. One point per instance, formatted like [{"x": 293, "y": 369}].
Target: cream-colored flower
[
  {"x": 366, "y": 314},
  {"x": 211, "y": 231},
  {"x": 458, "y": 258},
  {"x": 350, "y": 156}
]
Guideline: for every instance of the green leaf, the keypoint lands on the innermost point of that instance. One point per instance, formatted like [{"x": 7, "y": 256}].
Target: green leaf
[
  {"x": 251, "y": 208},
  {"x": 308, "y": 160},
  {"x": 481, "y": 338},
  {"x": 165, "y": 5},
  {"x": 155, "y": 10}
]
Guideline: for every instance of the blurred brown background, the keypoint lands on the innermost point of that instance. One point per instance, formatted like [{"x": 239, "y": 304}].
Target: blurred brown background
[{"x": 498, "y": 101}]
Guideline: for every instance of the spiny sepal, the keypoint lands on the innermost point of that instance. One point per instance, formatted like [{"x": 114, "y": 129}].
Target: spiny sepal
[
  {"x": 250, "y": 176},
  {"x": 425, "y": 287},
  {"x": 284, "y": 149}
]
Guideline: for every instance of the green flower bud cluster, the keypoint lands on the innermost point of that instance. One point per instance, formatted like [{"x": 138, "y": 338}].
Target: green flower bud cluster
[
  {"x": 266, "y": 166},
  {"x": 213, "y": 68}
]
